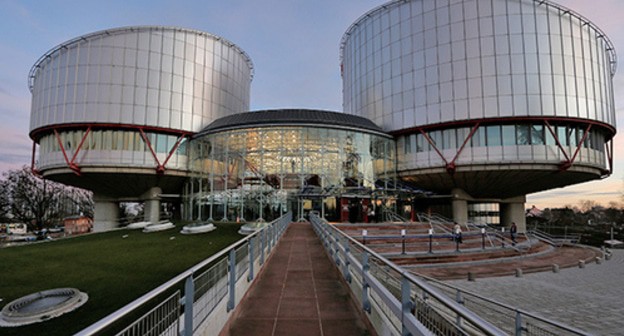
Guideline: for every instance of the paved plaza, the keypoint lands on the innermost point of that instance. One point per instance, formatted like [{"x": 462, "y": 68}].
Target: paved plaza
[{"x": 590, "y": 298}]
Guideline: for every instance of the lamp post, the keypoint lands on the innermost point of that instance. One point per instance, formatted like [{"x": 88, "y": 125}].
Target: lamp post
[
  {"x": 430, "y": 240},
  {"x": 403, "y": 241},
  {"x": 483, "y": 238}
]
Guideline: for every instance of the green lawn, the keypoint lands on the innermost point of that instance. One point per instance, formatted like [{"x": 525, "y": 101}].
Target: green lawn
[{"x": 111, "y": 269}]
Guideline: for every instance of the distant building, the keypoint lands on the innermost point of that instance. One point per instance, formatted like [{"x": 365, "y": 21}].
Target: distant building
[
  {"x": 14, "y": 228},
  {"x": 77, "y": 225}
]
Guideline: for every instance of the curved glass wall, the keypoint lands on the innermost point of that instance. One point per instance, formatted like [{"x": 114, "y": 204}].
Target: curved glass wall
[
  {"x": 260, "y": 173},
  {"x": 530, "y": 142},
  {"x": 112, "y": 147}
]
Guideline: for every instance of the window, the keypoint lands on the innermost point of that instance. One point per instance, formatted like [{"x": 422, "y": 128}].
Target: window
[
  {"x": 494, "y": 135},
  {"x": 407, "y": 145},
  {"x": 509, "y": 135},
  {"x": 537, "y": 134},
  {"x": 523, "y": 134}
]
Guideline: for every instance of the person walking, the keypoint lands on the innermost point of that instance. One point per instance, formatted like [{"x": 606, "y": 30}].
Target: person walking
[
  {"x": 513, "y": 231},
  {"x": 458, "y": 233}
]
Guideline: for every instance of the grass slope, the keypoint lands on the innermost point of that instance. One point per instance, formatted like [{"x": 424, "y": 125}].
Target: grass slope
[{"x": 112, "y": 270}]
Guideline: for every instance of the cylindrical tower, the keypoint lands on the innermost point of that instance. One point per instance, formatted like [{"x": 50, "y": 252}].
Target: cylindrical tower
[
  {"x": 117, "y": 107},
  {"x": 487, "y": 99}
]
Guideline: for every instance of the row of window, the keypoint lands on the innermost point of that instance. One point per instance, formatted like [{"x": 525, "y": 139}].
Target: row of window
[
  {"x": 505, "y": 135},
  {"x": 111, "y": 140}
]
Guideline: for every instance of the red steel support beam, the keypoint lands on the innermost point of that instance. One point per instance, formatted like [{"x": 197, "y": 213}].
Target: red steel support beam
[
  {"x": 580, "y": 144},
  {"x": 609, "y": 150},
  {"x": 554, "y": 134},
  {"x": 84, "y": 137},
  {"x": 33, "y": 169},
  {"x": 433, "y": 145},
  {"x": 159, "y": 168},
  {"x": 70, "y": 164},
  {"x": 450, "y": 167}
]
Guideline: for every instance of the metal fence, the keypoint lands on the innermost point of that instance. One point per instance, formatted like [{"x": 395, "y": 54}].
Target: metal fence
[
  {"x": 192, "y": 298},
  {"x": 399, "y": 302}
]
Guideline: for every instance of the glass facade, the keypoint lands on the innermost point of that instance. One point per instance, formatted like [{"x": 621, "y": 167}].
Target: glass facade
[
  {"x": 507, "y": 143},
  {"x": 112, "y": 147},
  {"x": 484, "y": 213},
  {"x": 261, "y": 172}
]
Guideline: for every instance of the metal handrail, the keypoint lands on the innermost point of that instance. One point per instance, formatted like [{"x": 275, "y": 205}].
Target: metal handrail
[
  {"x": 112, "y": 318},
  {"x": 423, "y": 282},
  {"x": 460, "y": 310},
  {"x": 508, "y": 307}
]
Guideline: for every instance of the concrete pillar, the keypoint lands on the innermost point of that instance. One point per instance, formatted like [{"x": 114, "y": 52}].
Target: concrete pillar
[
  {"x": 106, "y": 214},
  {"x": 460, "y": 205},
  {"x": 512, "y": 210},
  {"x": 151, "y": 208}
]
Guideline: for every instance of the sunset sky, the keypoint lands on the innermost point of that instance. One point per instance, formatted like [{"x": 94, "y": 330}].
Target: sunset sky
[{"x": 293, "y": 45}]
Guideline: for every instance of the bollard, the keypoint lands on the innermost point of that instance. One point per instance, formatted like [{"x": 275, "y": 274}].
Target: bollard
[
  {"x": 581, "y": 264},
  {"x": 608, "y": 256},
  {"x": 471, "y": 276},
  {"x": 598, "y": 260},
  {"x": 518, "y": 273},
  {"x": 555, "y": 268}
]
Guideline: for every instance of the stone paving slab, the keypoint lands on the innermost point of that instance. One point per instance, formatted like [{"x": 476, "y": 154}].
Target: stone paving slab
[
  {"x": 298, "y": 293},
  {"x": 590, "y": 298}
]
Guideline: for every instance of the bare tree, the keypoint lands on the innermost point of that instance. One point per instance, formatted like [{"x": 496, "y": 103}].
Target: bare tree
[
  {"x": 5, "y": 203},
  {"x": 38, "y": 202}
]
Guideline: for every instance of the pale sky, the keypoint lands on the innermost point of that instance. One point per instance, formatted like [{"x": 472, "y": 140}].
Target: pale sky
[{"x": 292, "y": 43}]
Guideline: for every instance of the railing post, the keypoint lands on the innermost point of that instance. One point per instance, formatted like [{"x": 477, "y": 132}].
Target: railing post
[
  {"x": 337, "y": 251},
  {"x": 331, "y": 242},
  {"x": 518, "y": 324},
  {"x": 325, "y": 236},
  {"x": 365, "y": 286},
  {"x": 347, "y": 263},
  {"x": 482, "y": 238},
  {"x": 460, "y": 300},
  {"x": 406, "y": 304},
  {"x": 270, "y": 237},
  {"x": 250, "y": 246},
  {"x": 189, "y": 295},
  {"x": 430, "y": 240},
  {"x": 262, "y": 246},
  {"x": 232, "y": 280},
  {"x": 403, "y": 241}
]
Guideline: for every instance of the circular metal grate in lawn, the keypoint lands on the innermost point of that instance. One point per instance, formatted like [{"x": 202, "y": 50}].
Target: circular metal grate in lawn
[{"x": 41, "y": 306}]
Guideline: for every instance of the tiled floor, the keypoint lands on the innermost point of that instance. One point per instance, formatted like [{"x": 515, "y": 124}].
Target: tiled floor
[{"x": 299, "y": 293}]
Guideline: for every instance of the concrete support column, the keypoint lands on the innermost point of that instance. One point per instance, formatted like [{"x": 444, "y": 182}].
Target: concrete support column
[
  {"x": 106, "y": 214},
  {"x": 460, "y": 205},
  {"x": 151, "y": 208},
  {"x": 512, "y": 210}
]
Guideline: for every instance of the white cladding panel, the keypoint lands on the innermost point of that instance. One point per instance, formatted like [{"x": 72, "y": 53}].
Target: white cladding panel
[
  {"x": 420, "y": 62},
  {"x": 154, "y": 76}
]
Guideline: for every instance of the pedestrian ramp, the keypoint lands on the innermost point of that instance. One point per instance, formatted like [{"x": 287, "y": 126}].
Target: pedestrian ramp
[{"x": 299, "y": 292}]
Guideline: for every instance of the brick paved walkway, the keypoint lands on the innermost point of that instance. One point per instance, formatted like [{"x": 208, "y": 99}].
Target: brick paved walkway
[
  {"x": 590, "y": 298},
  {"x": 298, "y": 293}
]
